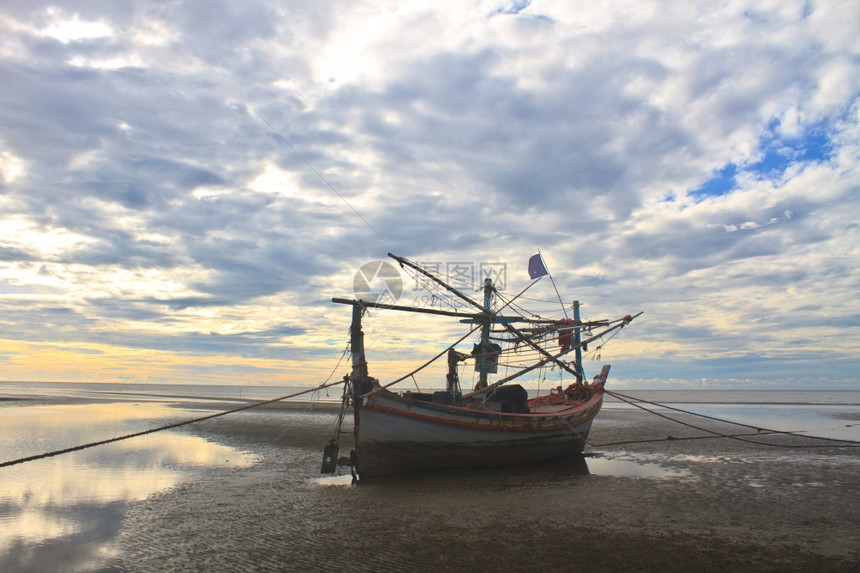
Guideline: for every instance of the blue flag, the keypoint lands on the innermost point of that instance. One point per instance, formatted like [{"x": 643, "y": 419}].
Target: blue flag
[{"x": 536, "y": 267}]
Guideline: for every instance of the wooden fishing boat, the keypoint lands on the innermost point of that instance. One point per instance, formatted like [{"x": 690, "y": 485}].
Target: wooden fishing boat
[{"x": 494, "y": 425}]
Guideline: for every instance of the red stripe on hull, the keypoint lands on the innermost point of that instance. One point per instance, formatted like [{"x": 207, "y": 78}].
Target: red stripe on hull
[{"x": 503, "y": 422}]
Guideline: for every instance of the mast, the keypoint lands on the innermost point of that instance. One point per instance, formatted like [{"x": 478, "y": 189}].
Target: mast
[
  {"x": 356, "y": 342},
  {"x": 483, "y": 358},
  {"x": 577, "y": 340}
]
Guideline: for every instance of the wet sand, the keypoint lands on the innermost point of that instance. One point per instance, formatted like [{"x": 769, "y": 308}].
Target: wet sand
[{"x": 720, "y": 505}]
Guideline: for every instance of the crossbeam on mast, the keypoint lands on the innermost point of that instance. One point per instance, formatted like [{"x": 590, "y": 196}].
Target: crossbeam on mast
[{"x": 472, "y": 316}]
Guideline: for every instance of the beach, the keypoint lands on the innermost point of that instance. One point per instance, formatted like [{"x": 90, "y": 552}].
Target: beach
[
  {"x": 681, "y": 504},
  {"x": 725, "y": 505}
]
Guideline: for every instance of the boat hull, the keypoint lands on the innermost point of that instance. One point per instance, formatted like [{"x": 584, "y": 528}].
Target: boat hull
[{"x": 400, "y": 435}]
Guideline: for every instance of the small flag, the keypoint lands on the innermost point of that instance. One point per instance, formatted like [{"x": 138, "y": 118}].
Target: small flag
[{"x": 536, "y": 267}]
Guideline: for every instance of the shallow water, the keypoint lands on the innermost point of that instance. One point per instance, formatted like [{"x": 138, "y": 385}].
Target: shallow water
[{"x": 834, "y": 421}]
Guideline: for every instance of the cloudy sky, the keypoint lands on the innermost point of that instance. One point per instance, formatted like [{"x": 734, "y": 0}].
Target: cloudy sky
[{"x": 185, "y": 185}]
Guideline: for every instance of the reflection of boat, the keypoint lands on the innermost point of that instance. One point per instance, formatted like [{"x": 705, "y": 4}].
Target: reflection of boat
[{"x": 494, "y": 425}]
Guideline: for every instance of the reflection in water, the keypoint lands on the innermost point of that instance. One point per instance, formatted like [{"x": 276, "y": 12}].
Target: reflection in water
[
  {"x": 636, "y": 468},
  {"x": 44, "y": 504}
]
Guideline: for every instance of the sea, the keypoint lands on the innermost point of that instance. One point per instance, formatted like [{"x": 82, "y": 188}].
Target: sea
[{"x": 76, "y": 502}]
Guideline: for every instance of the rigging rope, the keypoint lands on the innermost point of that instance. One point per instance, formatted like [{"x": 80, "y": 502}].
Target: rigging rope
[
  {"x": 426, "y": 364},
  {"x": 714, "y": 434}
]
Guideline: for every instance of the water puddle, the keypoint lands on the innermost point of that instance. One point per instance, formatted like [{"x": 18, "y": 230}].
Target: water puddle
[
  {"x": 79, "y": 497},
  {"x": 631, "y": 467},
  {"x": 334, "y": 481}
]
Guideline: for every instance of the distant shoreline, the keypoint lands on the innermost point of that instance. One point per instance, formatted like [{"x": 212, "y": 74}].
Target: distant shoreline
[{"x": 228, "y": 396}]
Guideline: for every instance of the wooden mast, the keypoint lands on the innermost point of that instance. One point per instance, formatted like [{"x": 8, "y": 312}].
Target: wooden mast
[
  {"x": 484, "y": 356},
  {"x": 577, "y": 340},
  {"x": 356, "y": 342}
]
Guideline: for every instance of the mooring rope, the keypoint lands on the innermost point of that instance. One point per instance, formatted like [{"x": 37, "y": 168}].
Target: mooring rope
[
  {"x": 165, "y": 427},
  {"x": 739, "y": 437},
  {"x": 684, "y": 438}
]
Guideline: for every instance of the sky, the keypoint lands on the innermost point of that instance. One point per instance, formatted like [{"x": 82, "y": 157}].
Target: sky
[{"x": 185, "y": 185}]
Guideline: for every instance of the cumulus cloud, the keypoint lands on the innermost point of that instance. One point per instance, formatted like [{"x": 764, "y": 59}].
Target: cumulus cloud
[{"x": 208, "y": 173}]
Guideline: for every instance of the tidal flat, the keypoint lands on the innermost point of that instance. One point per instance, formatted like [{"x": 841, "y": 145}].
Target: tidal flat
[{"x": 243, "y": 493}]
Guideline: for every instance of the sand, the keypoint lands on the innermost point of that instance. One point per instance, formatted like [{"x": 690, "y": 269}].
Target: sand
[{"x": 712, "y": 505}]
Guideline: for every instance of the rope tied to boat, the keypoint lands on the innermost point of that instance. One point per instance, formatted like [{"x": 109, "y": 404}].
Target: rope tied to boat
[
  {"x": 165, "y": 427},
  {"x": 759, "y": 431}
]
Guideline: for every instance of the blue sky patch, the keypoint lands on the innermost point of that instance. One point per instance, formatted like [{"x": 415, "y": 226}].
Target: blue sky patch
[
  {"x": 778, "y": 154},
  {"x": 721, "y": 183},
  {"x": 515, "y": 7}
]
